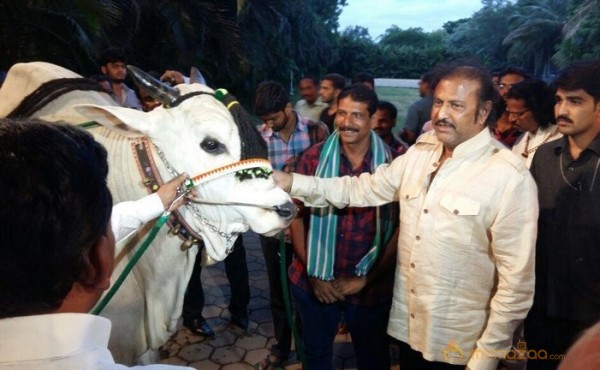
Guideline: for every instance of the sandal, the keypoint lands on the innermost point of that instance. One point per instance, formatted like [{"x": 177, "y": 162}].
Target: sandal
[{"x": 271, "y": 362}]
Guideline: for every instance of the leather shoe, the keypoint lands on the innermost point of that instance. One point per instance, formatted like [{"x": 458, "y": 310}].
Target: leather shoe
[
  {"x": 240, "y": 321},
  {"x": 199, "y": 327}
]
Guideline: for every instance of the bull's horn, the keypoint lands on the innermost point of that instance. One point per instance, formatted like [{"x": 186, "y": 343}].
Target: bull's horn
[
  {"x": 162, "y": 92},
  {"x": 196, "y": 76}
]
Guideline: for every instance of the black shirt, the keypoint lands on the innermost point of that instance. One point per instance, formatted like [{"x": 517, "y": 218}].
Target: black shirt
[
  {"x": 327, "y": 119},
  {"x": 568, "y": 244}
]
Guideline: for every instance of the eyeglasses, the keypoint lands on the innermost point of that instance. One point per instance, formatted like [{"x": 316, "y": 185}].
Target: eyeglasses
[
  {"x": 505, "y": 86},
  {"x": 518, "y": 114}
]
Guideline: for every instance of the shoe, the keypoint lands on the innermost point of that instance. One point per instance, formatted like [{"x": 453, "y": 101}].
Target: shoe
[
  {"x": 241, "y": 321},
  {"x": 199, "y": 327}
]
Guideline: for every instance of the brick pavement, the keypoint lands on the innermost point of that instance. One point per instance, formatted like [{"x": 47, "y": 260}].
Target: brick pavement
[{"x": 232, "y": 348}]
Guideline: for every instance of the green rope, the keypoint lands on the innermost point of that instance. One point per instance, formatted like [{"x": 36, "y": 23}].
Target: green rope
[
  {"x": 286, "y": 298},
  {"x": 138, "y": 254},
  {"x": 89, "y": 124}
]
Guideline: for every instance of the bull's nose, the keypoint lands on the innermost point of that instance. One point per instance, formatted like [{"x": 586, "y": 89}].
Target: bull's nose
[{"x": 287, "y": 210}]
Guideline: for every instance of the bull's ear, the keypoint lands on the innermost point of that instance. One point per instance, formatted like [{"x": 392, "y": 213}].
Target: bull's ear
[{"x": 126, "y": 121}]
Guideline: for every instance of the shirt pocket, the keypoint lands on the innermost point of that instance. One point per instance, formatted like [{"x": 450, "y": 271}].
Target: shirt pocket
[
  {"x": 409, "y": 198},
  {"x": 458, "y": 218},
  {"x": 409, "y": 192}
]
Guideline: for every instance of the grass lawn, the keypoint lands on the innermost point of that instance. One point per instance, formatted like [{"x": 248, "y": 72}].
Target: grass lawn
[{"x": 401, "y": 97}]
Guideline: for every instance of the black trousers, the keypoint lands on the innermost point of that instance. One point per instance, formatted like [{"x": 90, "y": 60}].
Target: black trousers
[
  {"x": 281, "y": 327},
  {"x": 413, "y": 360},
  {"x": 548, "y": 339},
  {"x": 237, "y": 274}
]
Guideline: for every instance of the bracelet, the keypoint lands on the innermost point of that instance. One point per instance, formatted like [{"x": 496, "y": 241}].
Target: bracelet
[{"x": 289, "y": 188}]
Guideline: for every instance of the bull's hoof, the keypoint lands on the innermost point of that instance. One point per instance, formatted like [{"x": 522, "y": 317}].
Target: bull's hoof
[{"x": 199, "y": 327}]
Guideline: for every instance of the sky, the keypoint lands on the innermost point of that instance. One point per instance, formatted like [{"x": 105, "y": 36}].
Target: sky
[{"x": 379, "y": 15}]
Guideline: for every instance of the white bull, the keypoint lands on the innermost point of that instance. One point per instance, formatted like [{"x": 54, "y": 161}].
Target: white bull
[{"x": 197, "y": 135}]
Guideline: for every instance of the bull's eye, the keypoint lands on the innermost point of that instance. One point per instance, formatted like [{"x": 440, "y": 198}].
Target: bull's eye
[{"x": 212, "y": 146}]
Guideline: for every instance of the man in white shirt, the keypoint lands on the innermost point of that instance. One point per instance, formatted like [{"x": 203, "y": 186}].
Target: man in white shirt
[
  {"x": 310, "y": 106},
  {"x": 468, "y": 219},
  {"x": 57, "y": 246}
]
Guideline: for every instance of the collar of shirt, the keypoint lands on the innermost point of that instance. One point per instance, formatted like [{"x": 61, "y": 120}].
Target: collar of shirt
[
  {"x": 58, "y": 335},
  {"x": 563, "y": 142},
  {"x": 464, "y": 149}
]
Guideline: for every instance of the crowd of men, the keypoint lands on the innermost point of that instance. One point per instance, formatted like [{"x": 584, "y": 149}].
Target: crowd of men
[{"x": 470, "y": 241}]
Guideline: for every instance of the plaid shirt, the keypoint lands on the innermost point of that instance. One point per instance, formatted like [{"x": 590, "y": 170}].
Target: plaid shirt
[
  {"x": 284, "y": 155},
  {"x": 356, "y": 232}
]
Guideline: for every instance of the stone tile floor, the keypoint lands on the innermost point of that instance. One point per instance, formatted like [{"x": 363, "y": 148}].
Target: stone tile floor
[{"x": 232, "y": 348}]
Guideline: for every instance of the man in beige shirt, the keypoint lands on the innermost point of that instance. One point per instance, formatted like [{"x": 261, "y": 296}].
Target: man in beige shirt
[{"x": 468, "y": 222}]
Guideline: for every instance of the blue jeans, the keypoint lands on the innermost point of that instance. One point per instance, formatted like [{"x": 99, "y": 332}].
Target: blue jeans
[{"x": 367, "y": 326}]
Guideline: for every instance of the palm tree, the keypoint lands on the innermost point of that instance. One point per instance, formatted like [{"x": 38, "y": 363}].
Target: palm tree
[
  {"x": 536, "y": 32},
  {"x": 61, "y": 31},
  {"x": 581, "y": 33},
  {"x": 178, "y": 34}
]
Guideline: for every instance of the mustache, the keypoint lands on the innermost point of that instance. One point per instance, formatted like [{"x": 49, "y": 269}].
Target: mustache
[
  {"x": 562, "y": 117},
  {"x": 444, "y": 122},
  {"x": 349, "y": 128}
]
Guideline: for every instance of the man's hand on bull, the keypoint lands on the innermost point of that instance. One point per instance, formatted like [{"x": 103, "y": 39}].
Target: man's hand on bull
[
  {"x": 173, "y": 189},
  {"x": 172, "y": 77},
  {"x": 325, "y": 291},
  {"x": 283, "y": 180}
]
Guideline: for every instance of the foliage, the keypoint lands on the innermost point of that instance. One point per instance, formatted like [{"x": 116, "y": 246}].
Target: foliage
[
  {"x": 357, "y": 52},
  {"x": 581, "y": 34},
  {"x": 481, "y": 36},
  {"x": 409, "y": 53},
  {"x": 61, "y": 31},
  {"x": 238, "y": 43},
  {"x": 536, "y": 28}
]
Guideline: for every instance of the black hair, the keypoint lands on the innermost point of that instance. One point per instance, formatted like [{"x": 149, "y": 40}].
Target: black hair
[
  {"x": 362, "y": 77},
  {"x": 337, "y": 80},
  {"x": 271, "y": 97},
  {"x": 513, "y": 70},
  {"x": 389, "y": 107},
  {"x": 111, "y": 55},
  {"x": 310, "y": 77},
  {"x": 584, "y": 75},
  {"x": 56, "y": 206},
  {"x": 362, "y": 94},
  {"x": 538, "y": 97}
]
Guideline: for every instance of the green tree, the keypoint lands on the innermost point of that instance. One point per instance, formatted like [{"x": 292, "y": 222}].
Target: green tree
[
  {"x": 409, "y": 53},
  {"x": 356, "y": 52},
  {"x": 61, "y": 31},
  {"x": 581, "y": 33},
  {"x": 536, "y": 30},
  {"x": 178, "y": 34},
  {"x": 480, "y": 37},
  {"x": 284, "y": 38}
]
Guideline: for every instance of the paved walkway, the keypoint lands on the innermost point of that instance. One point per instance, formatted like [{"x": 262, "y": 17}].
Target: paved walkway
[{"x": 232, "y": 348}]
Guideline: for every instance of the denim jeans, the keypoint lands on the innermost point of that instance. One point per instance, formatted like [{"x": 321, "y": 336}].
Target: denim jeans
[{"x": 367, "y": 326}]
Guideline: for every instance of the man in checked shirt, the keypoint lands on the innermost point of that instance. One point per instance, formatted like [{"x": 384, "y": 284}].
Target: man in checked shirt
[{"x": 287, "y": 135}]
